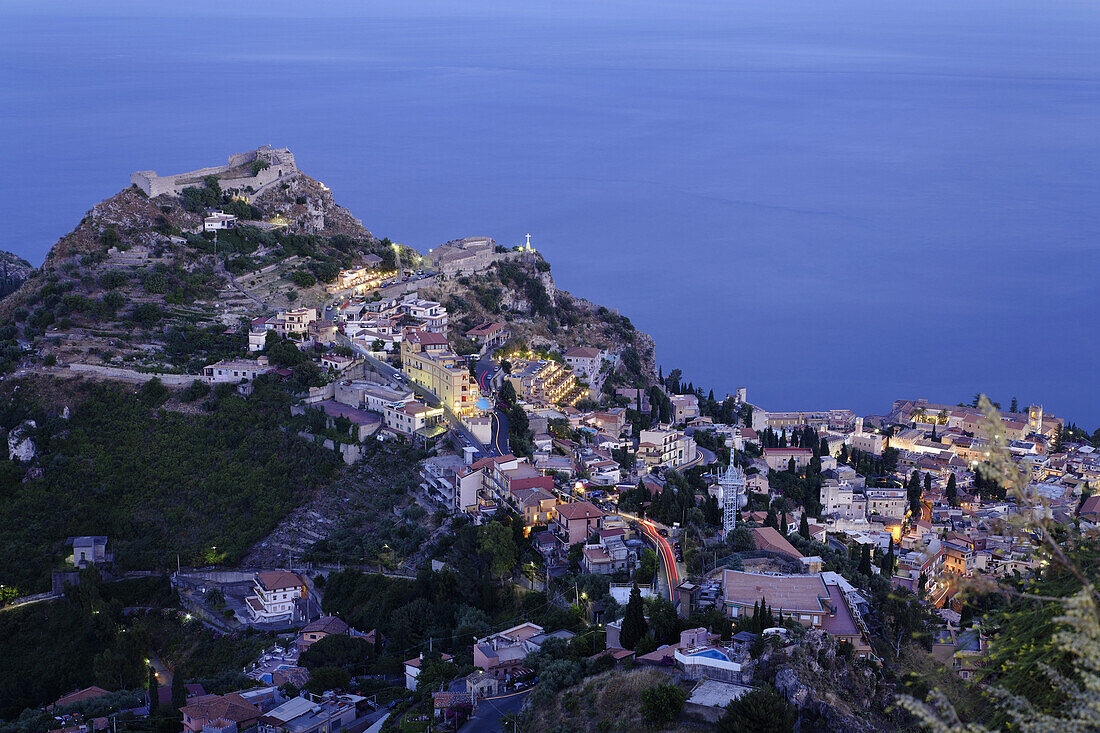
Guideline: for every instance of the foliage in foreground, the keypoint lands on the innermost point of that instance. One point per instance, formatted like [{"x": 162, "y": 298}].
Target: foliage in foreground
[{"x": 1076, "y": 642}]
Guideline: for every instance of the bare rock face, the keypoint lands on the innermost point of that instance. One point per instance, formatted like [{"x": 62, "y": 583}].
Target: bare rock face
[
  {"x": 20, "y": 444},
  {"x": 308, "y": 207},
  {"x": 830, "y": 691},
  {"x": 788, "y": 682}
]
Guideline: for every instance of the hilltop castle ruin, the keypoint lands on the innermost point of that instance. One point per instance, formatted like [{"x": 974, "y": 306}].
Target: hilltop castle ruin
[{"x": 248, "y": 172}]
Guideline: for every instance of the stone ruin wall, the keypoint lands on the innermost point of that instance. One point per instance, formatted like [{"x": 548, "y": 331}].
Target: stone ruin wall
[{"x": 282, "y": 165}]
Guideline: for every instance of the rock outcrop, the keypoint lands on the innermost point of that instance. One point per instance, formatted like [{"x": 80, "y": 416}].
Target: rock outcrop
[{"x": 20, "y": 443}]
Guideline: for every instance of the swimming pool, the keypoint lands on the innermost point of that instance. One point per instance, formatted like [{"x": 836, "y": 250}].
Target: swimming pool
[{"x": 712, "y": 654}]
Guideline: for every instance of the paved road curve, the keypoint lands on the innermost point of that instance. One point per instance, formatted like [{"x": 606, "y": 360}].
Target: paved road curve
[{"x": 500, "y": 433}]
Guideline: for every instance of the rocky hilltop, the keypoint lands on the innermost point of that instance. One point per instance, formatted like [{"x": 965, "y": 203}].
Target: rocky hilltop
[{"x": 139, "y": 283}]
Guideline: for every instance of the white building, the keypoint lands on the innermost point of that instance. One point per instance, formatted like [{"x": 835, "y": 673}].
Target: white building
[
  {"x": 839, "y": 500},
  {"x": 233, "y": 371},
  {"x": 274, "y": 594},
  {"x": 585, "y": 361},
  {"x": 664, "y": 447},
  {"x": 433, "y": 314},
  {"x": 891, "y": 503},
  {"x": 412, "y": 669},
  {"x": 218, "y": 220}
]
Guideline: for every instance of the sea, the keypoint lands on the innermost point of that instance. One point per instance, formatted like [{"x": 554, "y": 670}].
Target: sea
[{"x": 833, "y": 204}]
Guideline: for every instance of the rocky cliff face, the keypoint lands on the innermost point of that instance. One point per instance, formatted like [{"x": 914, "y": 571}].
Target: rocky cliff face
[
  {"x": 831, "y": 691},
  {"x": 308, "y": 207},
  {"x": 521, "y": 292},
  {"x": 14, "y": 270}
]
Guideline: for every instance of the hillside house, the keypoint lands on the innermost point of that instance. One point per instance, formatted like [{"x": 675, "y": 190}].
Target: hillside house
[
  {"x": 218, "y": 712},
  {"x": 89, "y": 551},
  {"x": 234, "y": 371},
  {"x": 490, "y": 333},
  {"x": 575, "y": 522},
  {"x": 274, "y": 595},
  {"x": 218, "y": 220},
  {"x": 585, "y": 361}
]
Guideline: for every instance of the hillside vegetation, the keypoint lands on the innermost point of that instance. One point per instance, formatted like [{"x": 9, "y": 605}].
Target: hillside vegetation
[
  {"x": 156, "y": 482},
  {"x": 602, "y": 704},
  {"x": 521, "y": 293},
  {"x": 137, "y": 284}
]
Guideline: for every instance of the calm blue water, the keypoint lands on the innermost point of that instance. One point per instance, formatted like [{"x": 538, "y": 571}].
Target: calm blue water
[{"x": 835, "y": 204}]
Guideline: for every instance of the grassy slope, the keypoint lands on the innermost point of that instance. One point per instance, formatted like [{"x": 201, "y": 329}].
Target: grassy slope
[{"x": 606, "y": 702}]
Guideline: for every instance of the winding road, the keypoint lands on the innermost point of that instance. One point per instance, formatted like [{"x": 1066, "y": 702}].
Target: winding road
[
  {"x": 500, "y": 433},
  {"x": 668, "y": 559}
]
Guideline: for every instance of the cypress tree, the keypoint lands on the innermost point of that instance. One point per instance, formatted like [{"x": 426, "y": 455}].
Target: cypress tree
[
  {"x": 887, "y": 566},
  {"x": 952, "y": 492},
  {"x": 179, "y": 692},
  {"x": 804, "y": 527},
  {"x": 865, "y": 561},
  {"x": 783, "y": 523},
  {"x": 634, "y": 624},
  {"x": 154, "y": 699}
]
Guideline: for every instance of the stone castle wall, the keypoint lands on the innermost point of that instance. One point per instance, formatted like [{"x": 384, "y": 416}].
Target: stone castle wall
[{"x": 281, "y": 162}]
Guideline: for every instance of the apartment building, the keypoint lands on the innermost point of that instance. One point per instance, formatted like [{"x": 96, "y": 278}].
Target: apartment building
[
  {"x": 429, "y": 362},
  {"x": 665, "y": 447},
  {"x": 585, "y": 361},
  {"x": 543, "y": 381},
  {"x": 886, "y": 502},
  {"x": 685, "y": 407},
  {"x": 575, "y": 522},
  {"x": 431, "y": 314},
  {"x": 779, "y": 459},
  {"x": 490, "y": 333},
  {"x": 840, "y": 500},
  {"x": 609, "y": 554},
  {"x": 823, "y": 419}
]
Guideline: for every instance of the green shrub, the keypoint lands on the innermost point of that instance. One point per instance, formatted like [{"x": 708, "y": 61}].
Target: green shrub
[
  {"x": 195, "y": 390},
  {"x": 303, "y": 278},
  {"x": 663, "y": 703},
  {"x": 112, "y": 279},
  {"x": 147, "y": 314},
  {"x": 156, "y": 283}
]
